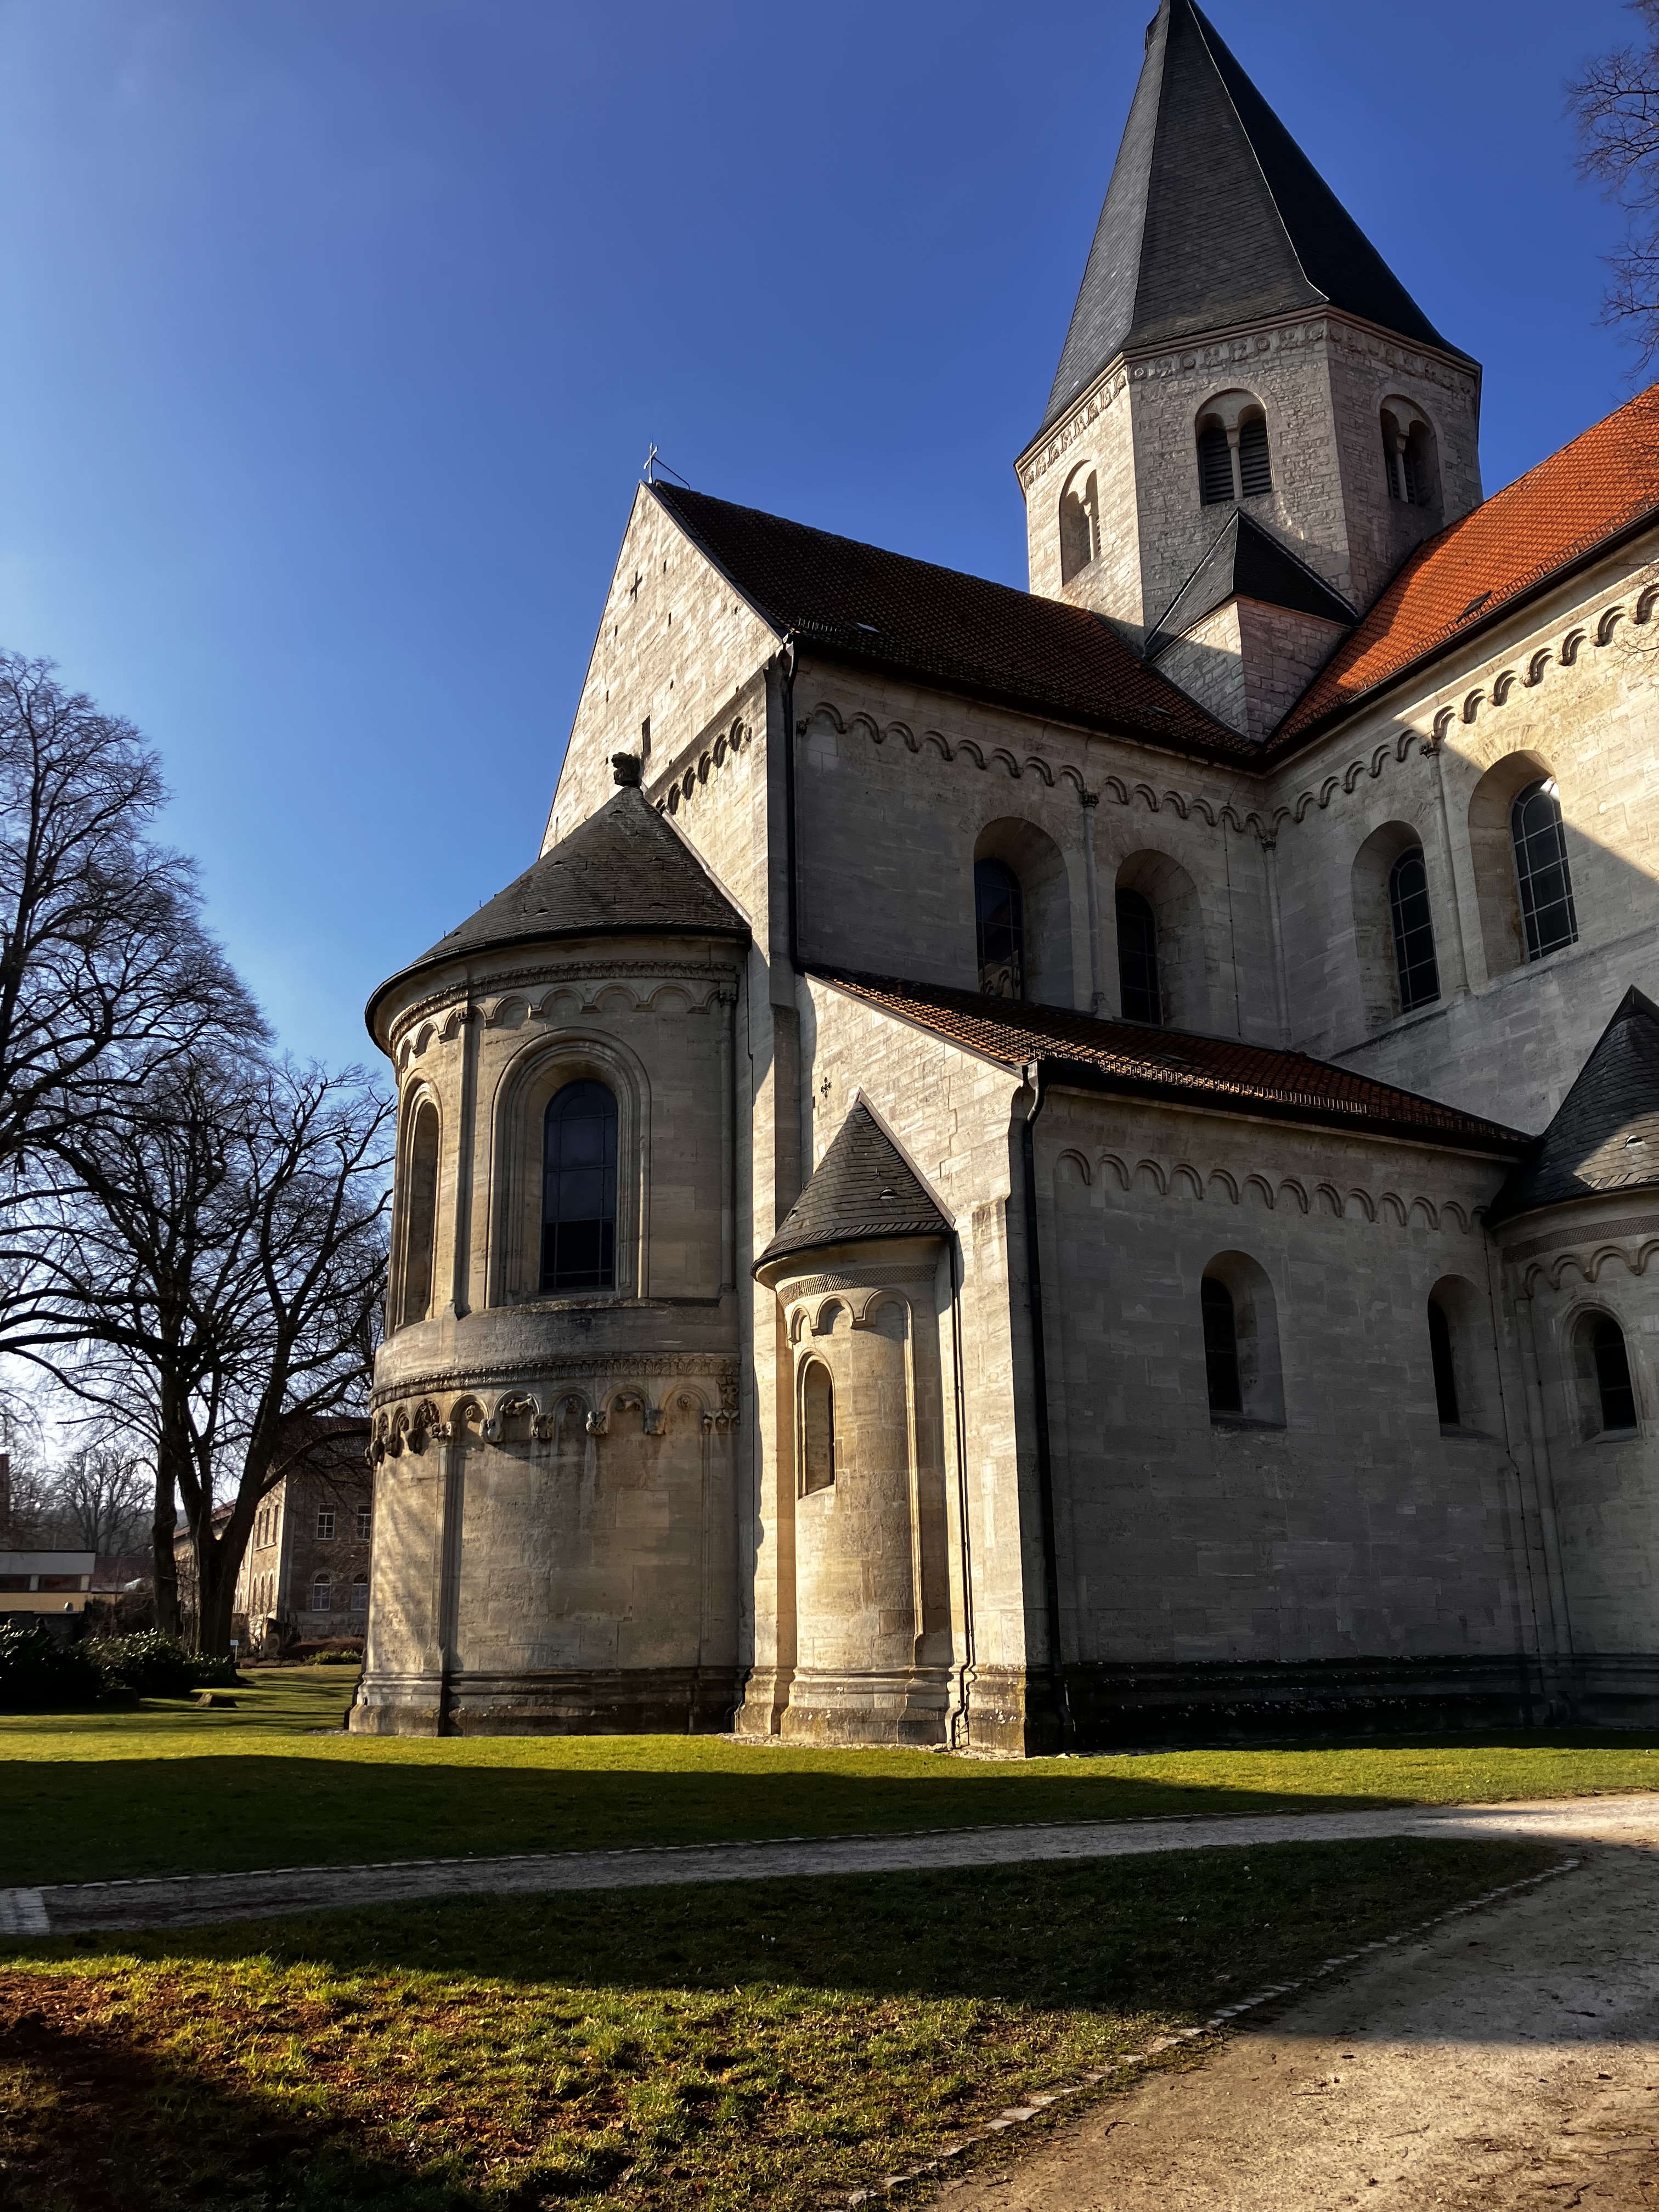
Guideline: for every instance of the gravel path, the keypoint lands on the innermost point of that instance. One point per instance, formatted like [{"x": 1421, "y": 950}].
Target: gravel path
[
  {"x": 194, "y": 1900},
  {"x": 1507, "y": 2062}
]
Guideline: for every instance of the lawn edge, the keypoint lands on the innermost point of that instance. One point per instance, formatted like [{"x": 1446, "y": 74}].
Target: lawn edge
[{"x": 1040, "y": 2103}]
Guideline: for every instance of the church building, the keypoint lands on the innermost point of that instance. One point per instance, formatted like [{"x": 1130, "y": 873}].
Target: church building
[{"x": 1042, "y": 1170}]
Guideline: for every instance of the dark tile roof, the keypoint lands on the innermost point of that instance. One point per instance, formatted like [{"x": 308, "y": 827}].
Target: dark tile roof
[
  {"x": 1604, "y": 483},
  {"x": 1177, "y": 1065},
  {"x": 862, "y": 1189},
  {"x": 861, "y": 603},
  {"x": 1246, "y": 561},
  {"x": 623, "y": 872},
  {"x": 1605, "y": 1136},
  {"x": 1214, "y": 216}
]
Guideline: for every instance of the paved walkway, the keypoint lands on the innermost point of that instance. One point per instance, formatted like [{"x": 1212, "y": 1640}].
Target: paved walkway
[
  {"x": 1505, "y": 2062},
  {"x": 194, "y": 1900}
]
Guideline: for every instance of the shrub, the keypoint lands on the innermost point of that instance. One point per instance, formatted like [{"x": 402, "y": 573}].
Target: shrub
[
  {"x": 39, "y": 1675},
  {"x": 158, "y": 1666},
  {"x": 340, "y": 1651}
]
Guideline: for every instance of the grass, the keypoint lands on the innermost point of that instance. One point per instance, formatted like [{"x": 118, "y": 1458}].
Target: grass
[
  {"x": 773, "y": 2043},
  {"x": 169, "y": 1789}
]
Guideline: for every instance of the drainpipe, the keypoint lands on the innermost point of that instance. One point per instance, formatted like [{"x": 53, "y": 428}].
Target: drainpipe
[{"x": 1033, "y": 1074}]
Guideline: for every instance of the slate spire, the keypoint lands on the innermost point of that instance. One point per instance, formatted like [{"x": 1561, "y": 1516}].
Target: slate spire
[
  {"x": 1214, "y": 216},
  {"x": 1605, "y": 1135}
]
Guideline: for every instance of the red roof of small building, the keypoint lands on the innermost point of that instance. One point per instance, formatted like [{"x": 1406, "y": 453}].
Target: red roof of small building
[
  {"x": 1176, "y": 1066},
  {"x": 1598, "y": 486}
]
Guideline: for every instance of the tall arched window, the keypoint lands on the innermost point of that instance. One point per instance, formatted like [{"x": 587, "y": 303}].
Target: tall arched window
[
  {"x": 999, "y": 917},
  {"x": 1540, "y": 869},
  {"x": 1221, "y": 1346},
  {"x": 1079, "y": 523},
  {"x": 817, "y": 1427},
  {"x": 420, "y": 1214},
  {"x": 1604, "y": 1372},
  {"x": 1137, "y": 958},
  {"x": 1255, "y": 474},
  {"x": 578, "y": 1189},
  {"x": 1215, "y": 465},
  {"x": 1445, "y": 1369},
  {"x": 1414, "y": 963}
]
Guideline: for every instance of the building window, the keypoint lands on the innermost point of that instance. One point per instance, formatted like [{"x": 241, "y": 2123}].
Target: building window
[
  {"x": 1215, "y": 465},
  {"x": 1080, "y": 524},
  {"x": 1413, "y": 931},
  {"x": 365, "y": 1523},
  {"x": 324, "y": 1524},
  {"x": 1408, "y": 456},
  {"x": 999, "y": 917},
  {"x": 1255, "y": 474},
  {"x": 1540, "y": 869},
  {"x": 360, "y": 1593},
  {"x": 579, "y": 1190},
  {"x": 322, "y": 1594},
  {"x": 1221, "y": 1346},
  {"x": 421, "y": 1214},
  {"x": 1604, "y": 1365},
  {"x": 1137, "y": 958},
  {"x": 817, "y": 1427},
  {"x": 1445, "y": 1370}
]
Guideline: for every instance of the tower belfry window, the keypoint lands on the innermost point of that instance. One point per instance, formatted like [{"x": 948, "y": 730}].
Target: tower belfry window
[
  {"x": 1215, "y": 465},
  {"x": 1255, "y": 474},
  {"x": 1233, "y": 458}
]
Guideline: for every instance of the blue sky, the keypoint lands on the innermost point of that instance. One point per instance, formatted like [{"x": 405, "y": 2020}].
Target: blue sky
[{"x": 338, "y": 329}]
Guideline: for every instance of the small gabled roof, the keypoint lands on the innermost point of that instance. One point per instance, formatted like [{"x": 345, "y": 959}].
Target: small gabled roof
[
  {"x": 1215, "y": 216},
  {"x": 1176, "y": 1066},
  {"x": 863, "y": 1188},
  {"x": 1598, "y": 488},
  {"x": 861, "y": 603},
  {"x": 623, "y": 872},
  {"x": 1247, "y": 561},
  {"x": 1605, "y": 1136}
]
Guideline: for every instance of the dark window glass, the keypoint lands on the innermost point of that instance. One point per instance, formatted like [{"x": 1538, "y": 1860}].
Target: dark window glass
[
  {"x": 819, "y": 1427},
  {"x": 1612, "y": 1375},
  {"x": 1137, "y": 958},
  {"x": 1540, "y": 868},
  {"x": 579, "y": 1190},
  {"x": 1413, "y": 931},
  {"x": 421, "y": 1214},
  {"x": 999, "y": 913},
  {"x": 1215, "y": 467},
  {"x": 1255, "y": 473},
  {"x": 1391, "y": 457},
  {"x": 1445, "y": 1374},
  {"x": 1220, "y": 1347},
  {"x": 1414, "y": 468}
]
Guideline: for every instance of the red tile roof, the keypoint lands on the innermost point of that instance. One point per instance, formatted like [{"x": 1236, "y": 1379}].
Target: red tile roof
[
  {"x": 1175, "y": 1064},
  {"x": 861, "y": 603},
  {"x": 1597, "y": 486}
]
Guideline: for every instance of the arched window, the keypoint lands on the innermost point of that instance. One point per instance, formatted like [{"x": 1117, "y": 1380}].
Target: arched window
[
  {"x": 1255, "y": 474},
  {"x": 360, "y": 1593},
  {"x": 1409, "y": 464},
  {"x": 1605, "y": 1382},
  {"x": 817, "y": 1427},
  {"x": 1221, "y": 1346},
  {"x": 1445, "y": 1369},
  {"x": 1540, "y": 869},
  {"x": 420, "y": 1214},
  {"x": 1413, "y": 931},
  {"x": 1137, "y": 958},
  {"x": 1079, "y": 523},
  {"x": 322, "y": 1594},
  {"x": 578, "y": 1189},
  {"x": 999, "y": 916},
  {"x": 1215, "y": 465}
]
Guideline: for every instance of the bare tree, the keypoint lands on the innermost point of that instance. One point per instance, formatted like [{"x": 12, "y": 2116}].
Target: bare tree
[
  {"x": 223, "y": 1290},
  {"x": 105, "y": 972},
  {"x": 96, "y": 1498},
  {"x": 1615, "y": 105}
]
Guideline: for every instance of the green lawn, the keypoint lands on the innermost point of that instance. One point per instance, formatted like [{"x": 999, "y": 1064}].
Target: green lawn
[
  {"x": 691, "y": 2050},
  {"x": 274, "y": 1782}
]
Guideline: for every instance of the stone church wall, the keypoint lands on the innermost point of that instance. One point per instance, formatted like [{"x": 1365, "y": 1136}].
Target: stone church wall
[{"x": 1568, "y": 691}]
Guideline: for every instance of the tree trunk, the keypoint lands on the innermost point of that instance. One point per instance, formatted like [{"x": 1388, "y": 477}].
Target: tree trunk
[
  {"x": 216, "y": 1563},
  {"x": 164, "y": 1558}
]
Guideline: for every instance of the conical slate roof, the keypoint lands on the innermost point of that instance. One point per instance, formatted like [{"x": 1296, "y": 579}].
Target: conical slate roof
[
  {"x": 862, "y": 1189},
  {"x": 1247, "y": 563},
  {"x": 1605, "y": 1136},
  {"x": 623, "y": 872},
  {"x": 1215, "y": 216}
]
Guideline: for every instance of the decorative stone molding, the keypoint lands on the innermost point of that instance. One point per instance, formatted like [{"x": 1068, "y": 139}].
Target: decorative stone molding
[
  {"x": 1184, "y": 1179},
  {"x": 693, "y": 768},
  {"x": 442, "y": 1014}
]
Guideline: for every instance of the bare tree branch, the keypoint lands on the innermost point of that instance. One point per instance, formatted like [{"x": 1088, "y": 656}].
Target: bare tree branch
[{"x": 1614, "y": 104}]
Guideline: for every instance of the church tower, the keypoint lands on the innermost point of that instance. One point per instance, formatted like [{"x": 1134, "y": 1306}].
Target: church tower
[{"x": 1252, "y": 422}]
